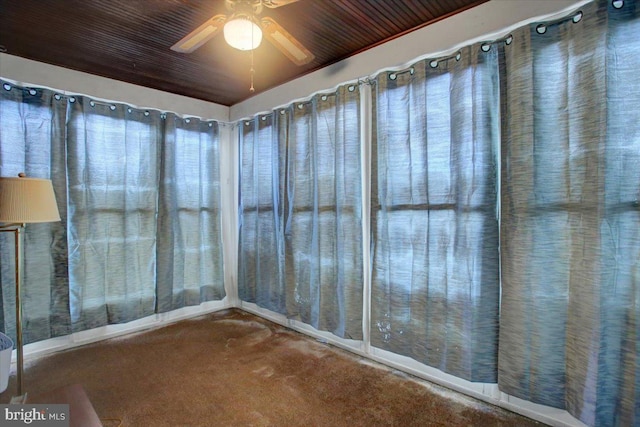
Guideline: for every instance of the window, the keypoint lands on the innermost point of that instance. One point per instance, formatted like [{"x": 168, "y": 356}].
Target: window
[
  {"x": 301, "y": 232},
  {"x": 112, "y": 164},
  {"x": 435, "y": 283}
]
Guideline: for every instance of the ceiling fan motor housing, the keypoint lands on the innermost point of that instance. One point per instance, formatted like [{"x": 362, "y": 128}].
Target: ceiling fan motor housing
[{"x": 244, "y": 7}]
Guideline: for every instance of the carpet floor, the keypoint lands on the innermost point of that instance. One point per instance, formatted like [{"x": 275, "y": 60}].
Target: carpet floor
[{"x": 232, "y": 368}]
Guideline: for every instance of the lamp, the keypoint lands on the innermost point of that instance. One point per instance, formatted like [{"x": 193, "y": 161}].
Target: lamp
[
  {"x": 242, "y": 32},
  {"x": 24, "y": 200}
]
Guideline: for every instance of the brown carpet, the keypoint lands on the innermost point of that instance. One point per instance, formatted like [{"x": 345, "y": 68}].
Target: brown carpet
[{"x": 232, "y": 368}]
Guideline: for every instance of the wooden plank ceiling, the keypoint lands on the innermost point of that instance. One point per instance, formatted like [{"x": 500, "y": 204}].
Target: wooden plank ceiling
[{"x": 130, "y": 40}]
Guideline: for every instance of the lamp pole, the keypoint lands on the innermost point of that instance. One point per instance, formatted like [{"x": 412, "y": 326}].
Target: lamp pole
[{"x": 16, "y": 229}]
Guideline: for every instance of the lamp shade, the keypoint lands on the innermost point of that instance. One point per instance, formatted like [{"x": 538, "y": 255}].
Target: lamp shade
[
  {"x": 27, "y": 200},
  {"x": 242, "y": 33}
]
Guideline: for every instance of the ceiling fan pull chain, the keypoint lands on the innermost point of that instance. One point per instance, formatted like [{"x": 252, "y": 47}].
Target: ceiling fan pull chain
[{"x": 252, "y": 71}]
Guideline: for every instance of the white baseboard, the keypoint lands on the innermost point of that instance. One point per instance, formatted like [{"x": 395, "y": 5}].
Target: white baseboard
[{"x": 52, "y": 345}]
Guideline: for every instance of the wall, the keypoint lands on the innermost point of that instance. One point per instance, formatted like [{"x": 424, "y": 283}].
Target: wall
[{"x": 27, "y": 72}]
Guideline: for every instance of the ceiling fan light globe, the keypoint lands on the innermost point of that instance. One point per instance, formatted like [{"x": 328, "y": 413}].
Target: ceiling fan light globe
[{"x": 242, "y": 33}]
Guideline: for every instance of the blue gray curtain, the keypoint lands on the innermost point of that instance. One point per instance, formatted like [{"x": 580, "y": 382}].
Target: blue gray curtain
[
  {"x": 32, "y": 134},
  {"x": 570, "y": 233},
  {"x": 112, "y": 168},
  {"x": 434, "y": 229},
  {"x": 300, "y": 248},
  {"x": 190, "y": 259},
  {"x": 138, "y": 192},
  {"x": 261, "y": 268}
]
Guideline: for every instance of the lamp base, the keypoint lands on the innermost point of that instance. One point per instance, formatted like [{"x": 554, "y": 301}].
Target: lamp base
[{"x": 18, "y": 400}]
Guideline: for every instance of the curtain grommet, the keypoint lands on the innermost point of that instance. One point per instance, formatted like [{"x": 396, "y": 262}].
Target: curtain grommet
[{"x": 577, "y": 17}]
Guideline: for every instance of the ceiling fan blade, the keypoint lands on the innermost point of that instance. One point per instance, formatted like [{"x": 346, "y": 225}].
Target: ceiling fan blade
[
  {"x": 292, "y": 48},
  {"x": 277, "y": 3},
  {"x": 200, "y": 35}
]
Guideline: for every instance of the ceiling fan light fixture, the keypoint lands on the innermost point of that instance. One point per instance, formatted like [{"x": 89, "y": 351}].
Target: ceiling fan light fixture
[{"x": 242, "y": 33}]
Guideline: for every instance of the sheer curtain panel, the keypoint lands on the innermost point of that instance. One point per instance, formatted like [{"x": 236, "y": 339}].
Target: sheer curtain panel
[
  {"x": 190, "y": 259},
  {"x": 570, "y": 234},
  {"x": 434, "y": 229},
  {"x": 261, "y": 270},
  {"x": 113, "y": 159},
  {"x": 300, "y": 216},
  {"x": 32, "y": 137},
  {"x": 323, "y": 227}
]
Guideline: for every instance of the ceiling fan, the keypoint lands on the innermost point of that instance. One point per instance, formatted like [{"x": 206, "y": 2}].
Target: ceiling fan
[{"x": 243, "y": 29}]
